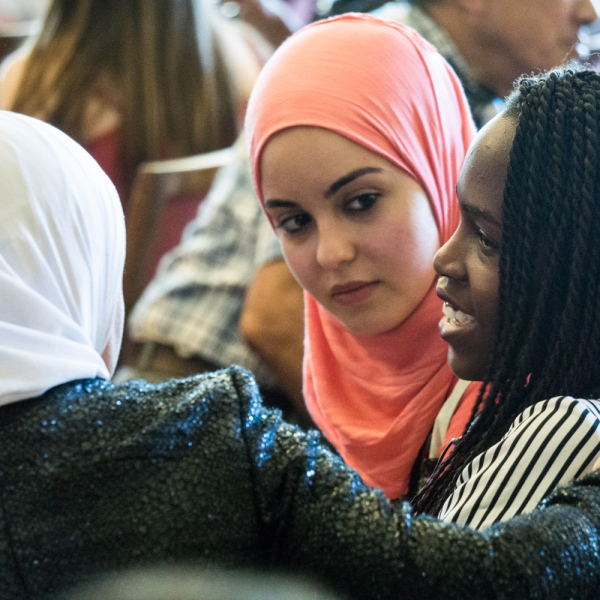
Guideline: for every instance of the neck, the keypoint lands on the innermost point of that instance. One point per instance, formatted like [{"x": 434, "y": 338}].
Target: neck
[{"x": 487, "y": 66}]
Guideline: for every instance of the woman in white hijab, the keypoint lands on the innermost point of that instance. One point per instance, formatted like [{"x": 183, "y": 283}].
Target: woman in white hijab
[
  {"x": 96, "y": 477},
  {"x": 62, "y": 249}
]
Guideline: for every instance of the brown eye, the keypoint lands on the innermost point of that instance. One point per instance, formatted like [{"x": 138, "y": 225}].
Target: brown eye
[
  {"x": 362, "y": 202},
  {"x": 295, "y": 223},
  {"x": 485, "y": 243}
]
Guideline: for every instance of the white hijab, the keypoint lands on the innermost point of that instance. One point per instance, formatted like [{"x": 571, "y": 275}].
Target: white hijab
[{"x": 62, "y": 250}]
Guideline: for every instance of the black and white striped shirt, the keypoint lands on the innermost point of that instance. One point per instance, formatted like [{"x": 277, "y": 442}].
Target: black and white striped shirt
[{"x": 550, "y": 443}]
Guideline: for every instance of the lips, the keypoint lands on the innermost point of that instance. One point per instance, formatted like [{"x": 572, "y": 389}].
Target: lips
[
  {"x": 455, "y": 318},
  {"x": 352, "y": 292},
  {"x": 347, "y": 288}
]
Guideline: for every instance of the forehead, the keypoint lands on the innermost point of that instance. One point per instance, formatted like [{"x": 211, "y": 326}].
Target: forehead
[
  {"x": 310, "y": 154},
  {"x": 310, "y": 139},
  {"x": 482, "y": 178}
]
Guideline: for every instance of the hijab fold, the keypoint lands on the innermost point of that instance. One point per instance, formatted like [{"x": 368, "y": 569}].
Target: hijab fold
[
  {"x": 382, "y": 86},
  {"x": 62, "y": 250}
]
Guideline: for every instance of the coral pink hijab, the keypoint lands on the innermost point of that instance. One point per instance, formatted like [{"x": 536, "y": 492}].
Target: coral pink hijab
[{"x": 382, "y": 86}]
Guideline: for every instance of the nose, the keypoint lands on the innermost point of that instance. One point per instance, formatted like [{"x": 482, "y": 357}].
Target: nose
[
  {"x": 334, "y": 247},
  {"x": 449, "y": 259},
  {"x": 586, "y": 11}
]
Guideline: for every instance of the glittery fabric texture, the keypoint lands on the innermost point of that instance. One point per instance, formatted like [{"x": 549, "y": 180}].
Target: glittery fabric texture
[{"x": 97, "y": 477}]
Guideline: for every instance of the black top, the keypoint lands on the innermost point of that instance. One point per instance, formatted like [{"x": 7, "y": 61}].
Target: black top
[{"x": 97, "y": 477}]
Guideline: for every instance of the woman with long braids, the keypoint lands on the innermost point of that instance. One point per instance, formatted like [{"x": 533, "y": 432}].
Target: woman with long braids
[{"x": 521, "y": 284}]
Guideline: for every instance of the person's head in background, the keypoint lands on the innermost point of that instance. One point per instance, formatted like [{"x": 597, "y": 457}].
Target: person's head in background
[
  {"x": 500, "y": 40},
  {"x": 357, "y": 131},
  {"x": 171, "y": 74},
  {"x": 521, "y": 275},
  {"x": 187, "y": 583},
  {"x": 489, "y": 43}
]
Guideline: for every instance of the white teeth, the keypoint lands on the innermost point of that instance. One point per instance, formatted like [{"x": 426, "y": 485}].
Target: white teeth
[{"x": 457, "y": 317}]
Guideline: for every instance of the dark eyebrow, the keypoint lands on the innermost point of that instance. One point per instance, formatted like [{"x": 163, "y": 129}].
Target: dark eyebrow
[
  {"x": 478, "y": 213},
  {"x": 332, "y": 189},
  {"x": 280, "y": 204},
  {"x": 346, "y": 179}
]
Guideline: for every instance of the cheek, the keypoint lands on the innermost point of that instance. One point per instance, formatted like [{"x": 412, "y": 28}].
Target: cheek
[
  {"x": 484, "y": 284},
  {"x": 410, "y": 246},
  {"x": 299, "y": 259},
  {"x": 492, "y": 303},
  {"x": 550, "y": 37}
]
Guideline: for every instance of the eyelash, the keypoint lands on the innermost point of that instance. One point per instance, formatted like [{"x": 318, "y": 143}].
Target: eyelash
[
  {"x": 286, "y": 222},
  {"x": 486, "y": 245},
  {"x": 372, "y": 198},
  {"x": 366, "y": 200}
]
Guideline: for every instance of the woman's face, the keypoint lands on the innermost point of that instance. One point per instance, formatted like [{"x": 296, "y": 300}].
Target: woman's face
[
  {"x": 468, "y": 262},
  {"x": 357, "y": 232}
]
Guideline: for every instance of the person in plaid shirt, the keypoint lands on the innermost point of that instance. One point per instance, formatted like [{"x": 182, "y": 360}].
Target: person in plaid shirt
[{"x": 224, "y": 296}]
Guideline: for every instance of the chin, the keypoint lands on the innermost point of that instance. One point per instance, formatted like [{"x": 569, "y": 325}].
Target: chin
[{"x": 465, "y": 367}]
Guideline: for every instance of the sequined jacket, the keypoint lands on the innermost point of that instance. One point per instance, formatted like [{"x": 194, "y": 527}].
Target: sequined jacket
[{"x": 98, "y": 477}]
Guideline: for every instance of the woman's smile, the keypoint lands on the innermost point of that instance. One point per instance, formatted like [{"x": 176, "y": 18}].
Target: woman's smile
[{"x": 457, "y": 322}]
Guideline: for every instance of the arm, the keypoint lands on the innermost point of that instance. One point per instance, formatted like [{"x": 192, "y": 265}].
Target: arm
[
  {"x": 272, "y": 324},
  {"x": 323, "y": 519}
]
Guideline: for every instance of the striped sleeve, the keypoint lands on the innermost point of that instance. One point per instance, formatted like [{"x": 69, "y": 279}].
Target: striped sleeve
[{"x": 550, "y": 443}]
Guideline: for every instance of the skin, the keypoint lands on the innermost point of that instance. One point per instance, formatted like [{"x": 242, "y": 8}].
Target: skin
[
  {"x": 272, "y": 323},
  {"x": 504, "y": 39},
  {"x": 468, "y": 264},
  {"x": 348, "y": 217}
]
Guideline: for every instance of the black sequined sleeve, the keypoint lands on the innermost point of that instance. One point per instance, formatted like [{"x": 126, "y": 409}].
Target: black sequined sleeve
[{"x": 321, "y": 518}]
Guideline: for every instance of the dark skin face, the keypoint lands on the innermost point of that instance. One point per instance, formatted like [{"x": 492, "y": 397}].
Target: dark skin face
[{"x": 468, "y": 264}]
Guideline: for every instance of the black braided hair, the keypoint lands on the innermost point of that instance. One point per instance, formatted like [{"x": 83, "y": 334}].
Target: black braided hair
[{"x": 548, "y": 340}]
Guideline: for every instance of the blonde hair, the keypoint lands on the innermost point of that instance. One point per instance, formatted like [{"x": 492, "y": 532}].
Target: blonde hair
[{"x": 161, "y": 64}]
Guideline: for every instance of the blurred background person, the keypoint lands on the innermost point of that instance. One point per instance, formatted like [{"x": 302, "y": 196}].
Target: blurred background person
[
  {"x": 490, "y": 43},
  {"x": 135, "y": 80},
  {"x": 224, "y": 296},
  {"x": 139, "y": 80}
]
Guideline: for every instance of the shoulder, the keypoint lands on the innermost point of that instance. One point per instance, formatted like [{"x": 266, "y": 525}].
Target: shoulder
[
  {"x": 91, "y": 421},
  {"x": 550, "y": 443},
  {"x": 553, "y": 428},
  {"x": 561, "y": 415},
  {"x": 224, "y": 395}
]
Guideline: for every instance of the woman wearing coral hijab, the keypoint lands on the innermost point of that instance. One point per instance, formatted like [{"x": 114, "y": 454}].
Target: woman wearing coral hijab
[{"x": 357, "y": 130}]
